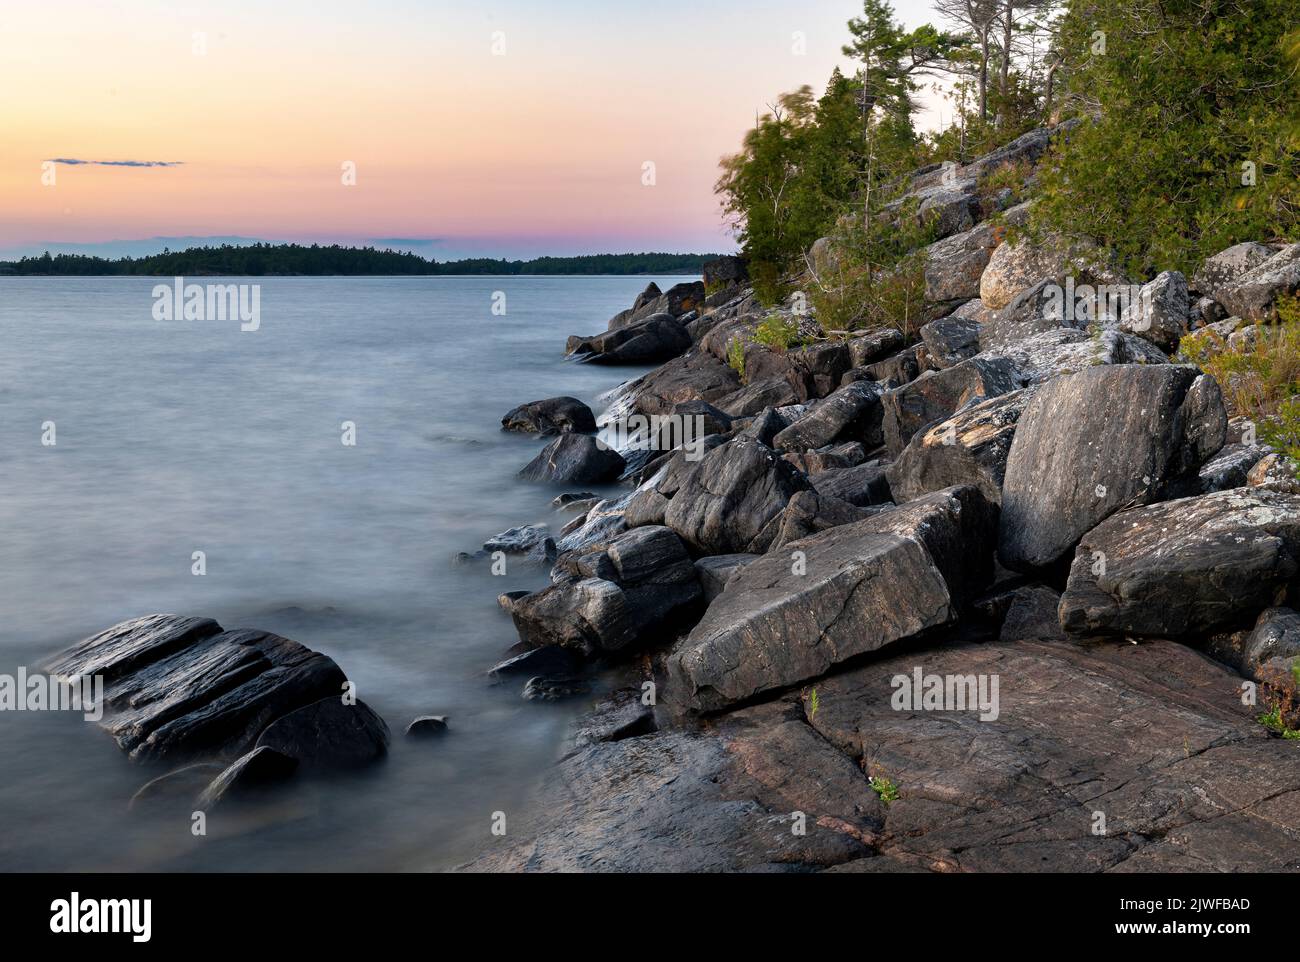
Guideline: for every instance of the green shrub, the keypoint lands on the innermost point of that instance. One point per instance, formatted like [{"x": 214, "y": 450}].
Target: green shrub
[
  {"x": 778, "y": 332},
  {"x": 736, "y": 357}
]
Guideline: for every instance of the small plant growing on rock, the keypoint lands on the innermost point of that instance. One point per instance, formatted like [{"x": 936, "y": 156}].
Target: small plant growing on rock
[
  {"x": 736, "y": 357},
  {"x": 883, "y": 787},
  {"x": 814, "y": 703},
  {"x": 1280, "y": 687}
]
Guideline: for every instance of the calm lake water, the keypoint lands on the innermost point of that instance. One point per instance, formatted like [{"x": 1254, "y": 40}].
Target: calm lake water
[{"x": 183, "y": 436}]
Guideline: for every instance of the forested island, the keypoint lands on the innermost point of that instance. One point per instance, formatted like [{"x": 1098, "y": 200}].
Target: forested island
[{"x": 258, "y": 260}]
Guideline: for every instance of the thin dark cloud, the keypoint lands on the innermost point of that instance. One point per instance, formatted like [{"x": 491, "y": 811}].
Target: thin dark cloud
[{"x": 76, "y": 161}]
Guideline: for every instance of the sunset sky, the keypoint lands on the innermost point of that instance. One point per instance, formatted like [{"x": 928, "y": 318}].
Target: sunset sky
[{"x": 458, "y": 151}]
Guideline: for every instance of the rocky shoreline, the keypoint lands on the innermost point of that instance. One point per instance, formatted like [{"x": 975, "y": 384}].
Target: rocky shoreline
[
  {"x": 1006, "y": 591},
  {"x": 1048, "y": 503}
]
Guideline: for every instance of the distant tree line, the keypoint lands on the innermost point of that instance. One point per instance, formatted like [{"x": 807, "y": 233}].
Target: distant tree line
[{"x": 256, "y": 260}]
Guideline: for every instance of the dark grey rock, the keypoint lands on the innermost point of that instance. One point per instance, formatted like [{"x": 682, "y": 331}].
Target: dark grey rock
[
  {"x": 936, "y": 396},
  {"x": 574, "y": 459},
  {"x": 551, "y": 416},
  {"x": 251, "y": 774},
  {"x": 329, "y": 734},
  {"x": 1183, "y": 567},
  {"x": 795, "y": 613}
]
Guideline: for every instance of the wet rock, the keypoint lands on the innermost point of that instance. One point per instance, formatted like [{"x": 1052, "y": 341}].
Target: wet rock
[
  {"x": 1254, "y": 294},
  {"x": 858, "y": 588},
  {"x": 1183, "y": 567},
  {"x": 551, "y": 416},
  {"x": 547, "y": 660},
  {"x": 971, "y": 447},
  {"x": 555, "y": 688},
  {"x": 574, "y": 459},
  {"x": 179, "y": 687},
  {"x": 658, "y": 337},
  {"x": 620, "y": 714},
  {"x": 930, "y": 398},
  {"x": 574, "y": 500},
  {"x": 250, "y": 774},
  {"x": 518, "y": 540},
  {"x": 1091, "y": 443},
  {"x": 612, "y": 599},
  {"x": 329, "y": 734},
  {"x": 178, "y": 786},
  {"x": 730, "y": 495},
  {"x": 427, "y": 726}
]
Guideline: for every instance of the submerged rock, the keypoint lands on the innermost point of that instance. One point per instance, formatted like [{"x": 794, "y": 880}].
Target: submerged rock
[{"x": 260, "y": 769}]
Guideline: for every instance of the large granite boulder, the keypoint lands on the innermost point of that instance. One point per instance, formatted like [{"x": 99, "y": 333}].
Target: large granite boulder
[
  {"x": 938, "y": 395},
  {"x": 551, "y": 416},
  {"x": 731, "y": 494},
  {"x": 574, "y": 459},
  {"x": 179, "y": 688},
  {"x": 793, "y": 614},
  {"x": 1017, "y": 266},
  {"x": 954, "y": 265},
  {"x": 971, "y": 447},
  {"x": 1184, "y": 567},
  {"x": 1092, "y": 443}
]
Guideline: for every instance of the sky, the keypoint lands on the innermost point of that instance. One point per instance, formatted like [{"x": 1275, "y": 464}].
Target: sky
[{"x": 481, "y": 128}]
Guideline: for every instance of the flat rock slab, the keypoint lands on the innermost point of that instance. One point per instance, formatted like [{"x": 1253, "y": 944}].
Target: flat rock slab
[
  {"x": 793, "y": 614},
  {"x": 178, "y": 688},
  {"x": 1184, "y": 567},
  {"x": 1152, "y": 737}
]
